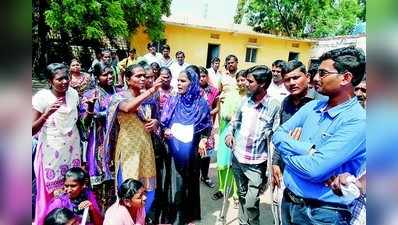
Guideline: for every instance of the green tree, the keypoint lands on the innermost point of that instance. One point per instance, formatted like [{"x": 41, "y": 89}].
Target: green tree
[
  {"x": 88, "y": 23},
  {"x": 303, "y": 18},
  {"x": 240, "y": 11}
]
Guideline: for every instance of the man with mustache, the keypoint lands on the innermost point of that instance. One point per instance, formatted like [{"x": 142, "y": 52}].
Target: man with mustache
[
  {"x": 296, "y": 80},
  {"x": 276, "y": 88},
  {"x": 360, "y": 92}
]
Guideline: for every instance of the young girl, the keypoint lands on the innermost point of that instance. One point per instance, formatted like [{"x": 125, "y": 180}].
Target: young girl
[
  {"x": 77, "y": 196},
  {"x": 61, "y": 216},
  {"x": 129, "y": 209}
]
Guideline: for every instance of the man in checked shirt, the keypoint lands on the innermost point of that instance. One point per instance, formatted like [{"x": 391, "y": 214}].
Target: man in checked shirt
[{"x": 248, "y": 134}]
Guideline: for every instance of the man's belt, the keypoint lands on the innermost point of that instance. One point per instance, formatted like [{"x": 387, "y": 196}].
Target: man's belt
[{"x": 293, "y": 198}]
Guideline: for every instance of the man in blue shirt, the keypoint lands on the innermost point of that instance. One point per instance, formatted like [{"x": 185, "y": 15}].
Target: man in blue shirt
[{"x": 328, "y": 139}]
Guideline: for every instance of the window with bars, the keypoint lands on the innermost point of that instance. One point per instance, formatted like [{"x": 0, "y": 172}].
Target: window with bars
[
  {"x": 293, "y": 56},
  {"x": 251, "y": 55}
]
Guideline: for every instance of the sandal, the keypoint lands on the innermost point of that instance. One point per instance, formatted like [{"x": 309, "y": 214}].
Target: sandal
[
  {"x": 218, "y": 195},
  {"x": 208, "y": 182}
]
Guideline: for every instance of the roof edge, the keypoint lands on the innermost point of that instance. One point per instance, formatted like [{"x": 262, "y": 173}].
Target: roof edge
[{"x": 231, "y": 30}]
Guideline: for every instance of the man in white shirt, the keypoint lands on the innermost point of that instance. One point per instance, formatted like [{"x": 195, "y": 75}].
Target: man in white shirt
[
  {"x": 277, "y": 89},
  {"x": 177, "y": 67},
  {"x": 152, "y": 55},
  {"x": 214, "y": 72},
  {"x": 96, "y": 60},
  {"x": 165, "y": 59}
]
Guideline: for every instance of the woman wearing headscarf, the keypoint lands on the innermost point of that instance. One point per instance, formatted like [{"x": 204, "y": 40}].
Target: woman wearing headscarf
[{"x": 187, "y": 124}]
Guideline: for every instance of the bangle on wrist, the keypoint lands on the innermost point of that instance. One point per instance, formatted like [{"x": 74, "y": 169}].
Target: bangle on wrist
[{"x": 90, "y": 113}]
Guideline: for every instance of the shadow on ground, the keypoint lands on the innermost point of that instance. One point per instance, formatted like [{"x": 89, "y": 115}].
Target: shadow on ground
[{"x": 211, "y": 209}]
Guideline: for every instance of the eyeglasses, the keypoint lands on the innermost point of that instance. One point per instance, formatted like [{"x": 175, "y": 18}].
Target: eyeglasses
[
  {"x": 360, "y": 89},
  {"x": 324, "y": 73}
]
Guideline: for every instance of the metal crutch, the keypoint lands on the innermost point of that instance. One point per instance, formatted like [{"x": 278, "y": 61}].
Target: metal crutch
[
  {"x": 227, "y": 191},
  {"x": 274, "y": 204}
]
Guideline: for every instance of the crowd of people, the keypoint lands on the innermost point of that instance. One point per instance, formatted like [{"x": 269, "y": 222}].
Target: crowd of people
[{"x": 130, "y": 141}]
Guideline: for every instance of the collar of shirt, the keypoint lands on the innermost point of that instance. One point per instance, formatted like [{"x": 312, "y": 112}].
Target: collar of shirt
[
  {"x": 333, "y": 112},
  {"x": 308, "y": 97},
  {"x": 262, "y": 103},
  {"x": 218, "y": 71}
]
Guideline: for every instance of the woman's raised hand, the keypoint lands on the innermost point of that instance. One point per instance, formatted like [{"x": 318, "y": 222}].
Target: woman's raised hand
[
  {"x": 54, "y": 107},
  {"x": 85, "y": 204},
  {"x": 158, "y": 82}
]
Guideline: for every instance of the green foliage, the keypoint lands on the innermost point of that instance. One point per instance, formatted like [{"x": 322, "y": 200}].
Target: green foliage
[
  {"x": 240, "y": 11},
  {"x": 87, "y": 24},
  {"x": 304, "y": 18},
  {"x": 97, "y": 19}
]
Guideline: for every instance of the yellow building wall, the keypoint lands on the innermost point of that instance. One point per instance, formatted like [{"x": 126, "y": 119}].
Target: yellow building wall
[{"x": 194, "y": 42}]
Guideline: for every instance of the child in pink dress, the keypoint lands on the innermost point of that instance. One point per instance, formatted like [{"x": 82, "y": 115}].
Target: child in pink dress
[{"x": 129, "y": 208}]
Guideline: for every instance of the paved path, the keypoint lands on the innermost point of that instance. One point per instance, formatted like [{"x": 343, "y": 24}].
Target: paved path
[{"x": 211, "y": 209}]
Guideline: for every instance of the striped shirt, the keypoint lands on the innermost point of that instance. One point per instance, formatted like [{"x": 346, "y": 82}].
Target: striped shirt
[
  {"x": 359, "y": 211},
  {"x": 251, "y": 127}
]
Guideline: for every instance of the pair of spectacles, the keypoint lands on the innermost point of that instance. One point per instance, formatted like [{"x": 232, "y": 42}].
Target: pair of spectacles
[
  {"x": 360, "y": 89},
  {"x": 324, "y": 73}
]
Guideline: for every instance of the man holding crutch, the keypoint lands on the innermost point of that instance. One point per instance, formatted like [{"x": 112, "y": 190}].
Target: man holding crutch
[{"x": 247, "y": 136}]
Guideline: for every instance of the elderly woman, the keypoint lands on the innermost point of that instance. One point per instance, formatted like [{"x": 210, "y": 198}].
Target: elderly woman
[
  {"x": 187, "y": 123},
  {"x": 54, "y": 121},
  {"x": 128, "y": 132},
  {"x": 80, "y": 81}
]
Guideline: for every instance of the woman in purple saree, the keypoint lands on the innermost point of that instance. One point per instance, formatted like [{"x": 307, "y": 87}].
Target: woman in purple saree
[{"x": 93, "y": 109}]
